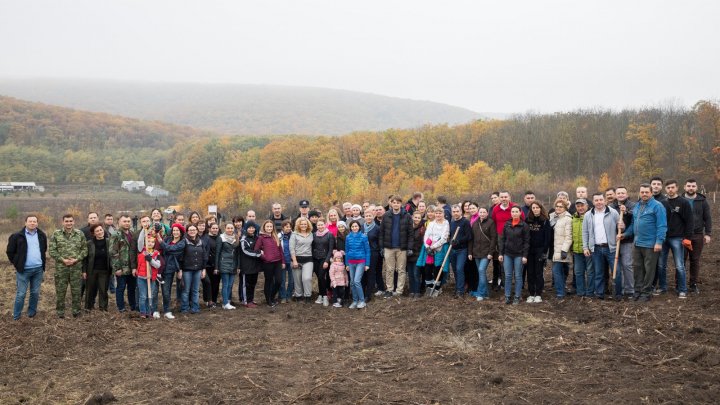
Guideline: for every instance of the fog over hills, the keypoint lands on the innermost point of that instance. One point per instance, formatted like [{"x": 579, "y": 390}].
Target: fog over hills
[{"x": 240, "y": 109}]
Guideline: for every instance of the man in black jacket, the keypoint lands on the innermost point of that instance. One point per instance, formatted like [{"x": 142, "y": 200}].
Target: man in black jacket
[
  {"x": 702, "y": 228},
  {"x": 396, "y": 240},
  {"x": 26, "y": 251},
  {"x": 460, "y": 243},
  {"x": 680, "y": 230}
]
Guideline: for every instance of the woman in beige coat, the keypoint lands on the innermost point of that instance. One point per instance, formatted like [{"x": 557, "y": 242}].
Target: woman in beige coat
[{"x": 561, "y": 221}]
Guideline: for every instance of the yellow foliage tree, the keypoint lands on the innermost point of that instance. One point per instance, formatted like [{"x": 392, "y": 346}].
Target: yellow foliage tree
[
  {"x": 604, "y": 182},
  {"x": 479, "y": 176},
  {"x": 452, "y": 181}
]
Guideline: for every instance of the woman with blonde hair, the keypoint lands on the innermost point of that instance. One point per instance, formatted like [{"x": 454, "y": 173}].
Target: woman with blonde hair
[{"x": 301, "y": 241}]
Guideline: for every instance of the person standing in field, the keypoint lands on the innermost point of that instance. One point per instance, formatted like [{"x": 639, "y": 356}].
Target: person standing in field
[
  {"x": 484, "y": 244},
  {"x": 277, "y": 217},
  {"x": 357, "y": 260},
  {"x": 323, "y": 244},
  {"x": 373, "y": 280},
  {"x": 600, "y": 227},
  {"x": 97, "y": 269},
  {"x": 287, "y": 281},
  {"x": 624, "y": 206},
  {"x": 226, "y": 261},
  {"x": 123, "y": 261},
  {"x": 249, "y": 265},
  {"x": 68, "y": 247},
  {"x": 195, "y": 258},
  {"x": 680, "y": 230},
  {"x": 173, "y": 248},
  {"x": 561, "y": 222},
  {"x": 702, "y": 229},
  {"x": 271, "y": 257},
  {"x": 461, "y": 241},
  {"x": 540, "y": 240},
  {"x": 514, "y": 247},
  {"x": 301, "y": 260},
  {"x": 396, "y": 240},
  {"x": 26, "y": 251}
]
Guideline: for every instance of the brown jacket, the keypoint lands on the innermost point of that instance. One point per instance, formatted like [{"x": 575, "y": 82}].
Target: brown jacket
[{"x": 484, "y": 241}]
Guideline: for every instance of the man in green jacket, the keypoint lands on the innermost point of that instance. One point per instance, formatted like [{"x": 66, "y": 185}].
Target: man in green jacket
[{"x": 68, "y": 247}]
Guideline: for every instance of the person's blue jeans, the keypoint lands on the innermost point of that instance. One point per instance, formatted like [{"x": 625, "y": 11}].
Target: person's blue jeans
[
  {"x": 356, "y": 274},
  {"x": 227, "y": 280},
  {"x": 513, "y": 266},
  {"x": 458, "y": 258},
  {"x": 558, "y": 272},
  {"x": 286, "y": 277},
  {"x": 584, "y": 275},
  {"x": 143, "y": 296},
  {"x": 678, "y": 252},
  {"x": 413, "y": 276},
  {"x": 28, "y": 278},
  {"x": 125, "y": 282},
  {"x": 603, "y": 258},
  {"x": 169, "y": 278},
  {"x": 482, "y": 288},
  {"x": 191, "y": 291}
]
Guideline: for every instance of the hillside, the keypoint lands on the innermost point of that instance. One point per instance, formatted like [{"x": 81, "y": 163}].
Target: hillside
[{"x": 241, "y": 109}]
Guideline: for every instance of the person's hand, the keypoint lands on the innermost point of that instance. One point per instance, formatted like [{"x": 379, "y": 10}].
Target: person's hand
[
  {"x": 347, "y": 268},
  {"x": 325, "y": 265},
  {"x": 203, "y": 274},
  {"x": 367, "y": 268},
  {"x": 657, "y": 247},
  {"x": 489, "y": 257},
  {"x": 524, "y": 260},
  {"x": 707, "y": 239},
  {"x": 118, "y": 273},
  {"x": 586, "y": 252},
  {"x": 623, "y": 209},
  {"x": 500, "y": 259},
  {"x": 295, "y": 264},
  {"x": 216, "y": 271},
  {"x": 470, "y": 257},
  {"x": 410, "y": 252},
  {"x": 67, "y": 262},
  {"x": 134, "y": 272},
  {"x": 84, "y": 276},
  {"x": 179, "y": 275},
  {"x": 687, "y": 243},
  {"x": 621, "y": 236},
  {"x": 382, "y": 252},
  {"x": 563, "y": 255},
  {"x": 148, "y": 257}
]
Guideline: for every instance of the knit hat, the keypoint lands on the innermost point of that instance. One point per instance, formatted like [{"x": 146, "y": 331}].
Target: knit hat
[
  {"x": 338, "y": 254},
  {"x": 178, "y": 226},
  {"x": 249, "y": 224},
  {"x": 344, "y": 225}
]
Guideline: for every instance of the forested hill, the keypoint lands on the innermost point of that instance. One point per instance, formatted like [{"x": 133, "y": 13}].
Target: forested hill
[{"x": 241, "y": 109}]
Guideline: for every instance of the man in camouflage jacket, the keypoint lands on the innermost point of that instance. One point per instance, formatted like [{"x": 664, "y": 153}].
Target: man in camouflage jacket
[
  {"x": 68, "y": 247},
  {"x": 123, "y": 260}
]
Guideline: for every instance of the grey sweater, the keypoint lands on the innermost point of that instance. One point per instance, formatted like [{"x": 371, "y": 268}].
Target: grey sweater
[{"x": 301, "y": 246}]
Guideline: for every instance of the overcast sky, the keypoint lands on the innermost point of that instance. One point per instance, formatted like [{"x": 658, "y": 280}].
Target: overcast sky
[{"x": 493, "y": 56}]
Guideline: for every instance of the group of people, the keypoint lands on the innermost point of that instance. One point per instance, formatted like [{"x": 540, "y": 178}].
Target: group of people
[{"x": 610, "y": 243}]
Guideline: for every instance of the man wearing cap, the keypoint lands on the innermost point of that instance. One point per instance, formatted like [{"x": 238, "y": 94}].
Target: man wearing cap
[
  {"x": 649, "y": 228},
  {"x": 582, "y": 265},
  {"x": 304, "y": 206}
]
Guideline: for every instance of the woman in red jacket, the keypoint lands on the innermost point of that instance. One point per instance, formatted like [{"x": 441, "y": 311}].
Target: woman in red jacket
[{"x": 271, "y": 256}]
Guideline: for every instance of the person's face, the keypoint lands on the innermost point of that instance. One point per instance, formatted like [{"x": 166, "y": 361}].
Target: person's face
[
  {"x": 581, "y": 208},
  {"x": 145, "y": 222},
  {"x": 495, "y": 199},
  {"x": 456, "y": 213},
  {"x": 238, "y": 224},
  {"x": 99, "y": 232},
  {"x": 194, "y": 219},
  {"x": 369, "y": 217},
  {"x": 201, "y": 227},
  {"x": 229, "y": 229},
  {"x": 656, "y": 186},
  {"x": 31, "y": 223},
  {"x": 355, "y": 227},
  {"x": 268, "y": 227},
  {"x": 504, "y": 198},
  {"x": 529, "y": 199},
  {"x": 581, "y": 192},
  {"x": 482, "y": 213},
  {"x": 341, "y": 229},
  {"x": 417, "y": 218},
  {"x": 212, "y": 220},
  {"x": 395, "y": 204},
  {"x": 356, "y": 212},
  {"x": 192, "y": 231},
  {"x": 303, "y": 226},
  {"x": 422, "y": 207},
  {"x": 156, "y": 215},
  {"x": 347, "y": 209},
  {"x": 321, "y": 226},
  {"x": 671, "y": 189},
  {"x": 179, "y": 219},
  {"x": 609, "y": 196},
  {"x": 379, "y": 212},
  {"x": 515, "y": 213},
  {"x": 691, "y": 188},
  {"x": 277, "y": 210},
  {"x": 365, "y": 206},
  {"x": 250, "y": 216},
  {"x": 645, "y": 193},
  {"x": 563, "y": 197},
  {"x": 621, "y": 194},
  {"x": 536, "y": 210},
  {"x": 287, "y": 228},
  {"x": 472, "y": 209},
  {"x": 124, "y": 223},
  {"x": 465, "y": 206},
  {"x": 215, "y": 229},
  {"x": 109, "y": 221},
  {"x": 92, "y": 219},
  {"x": 314, "y": 219},
  {"x": 333, "y": 216},
  {"x": 439, "y": 214},
  {"x": 559, "y": 207},
  {"x": 431, "y": 215},
  {"x": 251, "y": 230},
  {"x": 304, "y": 211},
  {"x": 599, "y": 202},
  {"x": 176, "y": 233}
]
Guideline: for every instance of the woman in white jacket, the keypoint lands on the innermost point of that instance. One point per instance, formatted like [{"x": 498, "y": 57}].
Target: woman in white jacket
[
  {"x": 435, "y": 247},
  {"x": 561, "y": 221}
]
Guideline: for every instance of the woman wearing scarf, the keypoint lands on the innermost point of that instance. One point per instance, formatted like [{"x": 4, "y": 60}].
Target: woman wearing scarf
[
  {"x": 195, "y": 257},
  {"x": 434, "y": 249},
  {"x": 332, "y": 221},
  {"x": 323, "y": 245},
  {"x": 173, "y": 248},
  {"x": 287, "y": 282},
  {"x": 483, "y": 246},
  {"x": 271, "y": 254},
  {"x": 561, "y": 222},
  {"x": 226, "y": 261},
  {"x": 372, "y": 280},
  {"x": 514, "y": 247}
]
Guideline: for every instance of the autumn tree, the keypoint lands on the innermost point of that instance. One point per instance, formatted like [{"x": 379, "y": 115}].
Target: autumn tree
[{"x": 648, "y": 155}]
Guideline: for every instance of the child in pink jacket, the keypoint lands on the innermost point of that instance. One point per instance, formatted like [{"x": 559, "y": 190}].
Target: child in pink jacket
[{"x": 338, "y": 277}]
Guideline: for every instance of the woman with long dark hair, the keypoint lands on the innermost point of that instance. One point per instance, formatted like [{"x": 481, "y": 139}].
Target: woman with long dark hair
[
  {"x": 514, "y": 247},
  {"x": 271, "y": 257},
  {"x": 249, "y": 265},
  {"x": 540, "y": 240},
  {"x": 195, "y": 258}
]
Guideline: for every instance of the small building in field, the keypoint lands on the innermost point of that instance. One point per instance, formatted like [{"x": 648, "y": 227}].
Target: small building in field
[
  {"x": 133, "y": 185},
  {"x": 20, "y": 186},
  {"x": 154, "y": 191}
]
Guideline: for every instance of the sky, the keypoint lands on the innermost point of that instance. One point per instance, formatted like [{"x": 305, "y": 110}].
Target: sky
[{"x": 487, "y": 56}]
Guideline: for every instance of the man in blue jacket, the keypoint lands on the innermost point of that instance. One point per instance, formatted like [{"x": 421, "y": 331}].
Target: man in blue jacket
[{"x": 649, "y": 228}]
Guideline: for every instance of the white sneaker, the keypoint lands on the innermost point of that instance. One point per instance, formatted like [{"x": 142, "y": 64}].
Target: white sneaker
[
  {"x": 325, "y": 301},
  {"x": 396, "y": 293},
  {"x": 337, "y": 305},
  {"x": 530, "y": 299},
  {"x": 353, "y": 305},
  {"x": 379, "y": 293},
  {"x": 682, "y": 295},
  {"x": 361, "y": 305},
  {"x": 228, "y": 306},
  {"x": 156, "y": 315},
  {"x": 480, "y": 299},
  {"x": 538, "y": 299},
  {"x": 169, "y": 315},
  {"x": 319, "y": 299}
]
